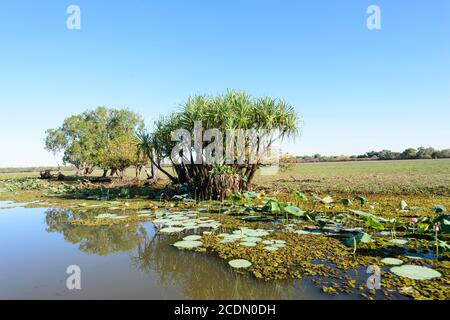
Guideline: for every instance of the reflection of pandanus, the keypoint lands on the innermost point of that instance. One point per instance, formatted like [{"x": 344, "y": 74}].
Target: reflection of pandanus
[
  {"x": 201, "y": 275},
  {"x": 101, "y": 239}
]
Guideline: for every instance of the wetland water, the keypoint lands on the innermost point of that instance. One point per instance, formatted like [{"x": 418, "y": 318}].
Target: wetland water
[{"x": 124, "y": 261}]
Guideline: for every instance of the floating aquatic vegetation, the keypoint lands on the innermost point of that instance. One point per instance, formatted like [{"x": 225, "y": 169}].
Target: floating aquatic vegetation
[
  {"x": 271, "y": 248},
  {"x": 295, "y": 211},
  {"x": 252, "y": 239},
  {"x": 144, "y": 215},
  {"x": 367, "y": 215},
  {"x": 256, "y": 233},
  {"x": 227, "y": 240},
  {"x": 416, "y": 272},
  {"x": 188, "y": 244},
  {"x": 239, "y": 263},
  {"x": 106, "y": 216},
  {"x": 119, "y": 217},
  {"x": 413, "y": 256},
  {"x": 248, "y": 244},
  {"x": 171, "y": 230},
  {"x": 391, "y": 261},
  {"x": 438, "y": 208},
  {"x": 192, "y": 238},
  {"x": 303, "y": 232},
  {"x": 399, "y": 241}
]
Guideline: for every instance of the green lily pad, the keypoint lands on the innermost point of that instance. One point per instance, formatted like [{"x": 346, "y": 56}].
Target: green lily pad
[
  {"x": 227, "y": 241},
  {"x": 416, "y": 272},
  {"x": 252, "y": 239},
  {"x": 239, "y": 263},
  {"x": 119, "y": 217},
  {"x": 302, "y": 232},
  {"x": 193, "y": 237},
  {"x": 271, "y": 248},
  {"x": 295, "y": 211},
  {"x": 171, "y": 230},
  {"x": 399, "y": 241},
  {"x": 106, "y": 216},
  {"x": 248, "y": 244},
  {"x": 414, "y": 257},
  {"x": 392, "y": 261},
  {"x": 190, "y": 227},
  {"x": 187, "y": 244}
]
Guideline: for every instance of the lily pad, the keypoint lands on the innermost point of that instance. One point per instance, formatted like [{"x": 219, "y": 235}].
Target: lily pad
[
  {"x": 144, "y": 211},
  {"x": 239, "y": 263},
  {"x": 302, "y": 232},
  {"x": 271, "y": 248},
  {"x": 193, "y": 237},
  {"x": 252, "y": 239},
  {"x": 106, "y": 216},
  {"x": 248, "y": 244},
  {"x": 399, "y": 241},
  {"x": 392, "y": 261},
  {"x": 171, "y": 230},
  {"x": 187, "y": 244},
  {"x": 119, "y": 217},
  {"x": 416, "y": 272},
  {"x": 227, "y": 241}
]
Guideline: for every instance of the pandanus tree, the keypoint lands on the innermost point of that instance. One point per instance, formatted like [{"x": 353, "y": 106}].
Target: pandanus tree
[{"x": 215, "y": 144}]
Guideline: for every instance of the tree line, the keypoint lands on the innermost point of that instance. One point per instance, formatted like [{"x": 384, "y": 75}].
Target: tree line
[{"x": 407, "y": 154}]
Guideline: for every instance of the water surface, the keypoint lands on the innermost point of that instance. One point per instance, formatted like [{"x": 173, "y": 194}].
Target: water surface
[{"x": 125, "y": 261}]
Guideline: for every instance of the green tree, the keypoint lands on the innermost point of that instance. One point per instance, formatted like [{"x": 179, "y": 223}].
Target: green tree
[
  {"x": 119, "y": 153},
  {"x": 83, "y": 138},
  {"x": 409, "y": 153},
  {"x": 425, "y": 153}
]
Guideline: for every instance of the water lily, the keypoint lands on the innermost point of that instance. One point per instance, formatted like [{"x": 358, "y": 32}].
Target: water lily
[{"x": 414, "y": 221}]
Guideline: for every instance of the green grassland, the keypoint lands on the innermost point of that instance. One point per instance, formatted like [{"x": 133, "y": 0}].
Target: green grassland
[{"x": 420, "y": 177}]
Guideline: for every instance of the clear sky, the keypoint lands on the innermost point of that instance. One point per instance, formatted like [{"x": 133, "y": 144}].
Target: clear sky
[{"x": 356, "y": 89}]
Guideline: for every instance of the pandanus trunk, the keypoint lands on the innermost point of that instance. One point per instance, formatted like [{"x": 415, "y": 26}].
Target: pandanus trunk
[{"x": 215, "y": 186}]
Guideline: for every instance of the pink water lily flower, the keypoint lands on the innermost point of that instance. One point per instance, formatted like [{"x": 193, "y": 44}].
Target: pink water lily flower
[{"x": 414, "y": 220}]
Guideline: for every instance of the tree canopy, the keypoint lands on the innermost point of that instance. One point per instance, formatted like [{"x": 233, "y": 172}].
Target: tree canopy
[
  {"x": 94, "y": 138},
  {"x": 230, "y": 112}
]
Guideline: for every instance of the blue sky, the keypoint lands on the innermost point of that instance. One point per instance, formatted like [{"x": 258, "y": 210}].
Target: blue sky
[{"x": 356, "y": 89}]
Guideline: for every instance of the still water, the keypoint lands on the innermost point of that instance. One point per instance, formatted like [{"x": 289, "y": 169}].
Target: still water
[{"x": 117, "y": 262}]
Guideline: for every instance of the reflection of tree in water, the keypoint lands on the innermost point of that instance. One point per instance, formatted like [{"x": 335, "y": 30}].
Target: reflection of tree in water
[
  {"x": 200, "y": 275},
  {"x": 99, "y": 240},
  {"x": 203, "y": 276}
]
